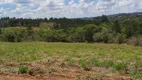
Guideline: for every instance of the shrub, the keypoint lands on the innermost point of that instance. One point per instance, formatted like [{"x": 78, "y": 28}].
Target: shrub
[
  {"x": 23, "y": 69},
  {"x": 98, "y": 37},
  {"x": 119, "y": 38},
  {"x": 136, "y": 41},
  {"x": 133, "y": 41},
  {"x": 104, "y": 36},
  {"x": 77, "y": 36},
  {"x": 111, "y": 37},
  {"x": 8, "y": 35},
  {"x": 55, "y": 36},
  {"x": 140, "y": 43}
]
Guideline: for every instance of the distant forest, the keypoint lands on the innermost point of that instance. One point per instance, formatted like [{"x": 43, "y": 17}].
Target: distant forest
[{"x": 118, "y": 28}]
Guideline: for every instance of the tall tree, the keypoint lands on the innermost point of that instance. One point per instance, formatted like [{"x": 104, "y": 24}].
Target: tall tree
[{"x": 116, "y": 27}]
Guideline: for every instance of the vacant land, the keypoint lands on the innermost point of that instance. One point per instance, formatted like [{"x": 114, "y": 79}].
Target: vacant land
[{"x": 69, "y": 61}]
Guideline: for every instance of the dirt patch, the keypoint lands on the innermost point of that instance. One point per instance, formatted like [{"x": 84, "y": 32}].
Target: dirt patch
[
  {"x": 57, "y": 70},
  {"x": 59, "y": 76},
  {"x": 8, "y": 76}
]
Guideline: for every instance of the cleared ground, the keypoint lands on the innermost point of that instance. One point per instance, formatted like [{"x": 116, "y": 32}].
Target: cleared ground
[{"x": 70, "y": 61}]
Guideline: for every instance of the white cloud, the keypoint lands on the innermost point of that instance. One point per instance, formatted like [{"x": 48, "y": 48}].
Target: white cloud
[
  {"x": 57, "y": 8},
  {"x": 5, "y": 1}
]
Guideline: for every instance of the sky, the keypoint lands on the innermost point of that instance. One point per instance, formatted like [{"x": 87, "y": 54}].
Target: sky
[{"x": 66, "y": 8}]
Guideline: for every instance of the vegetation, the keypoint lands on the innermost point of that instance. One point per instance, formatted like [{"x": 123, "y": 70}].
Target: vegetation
[
  {"x": 23, "y": 69},
  {"x": 23, "y": 47},
  {"x": 121, "y": 58},
  {"x": 123, "y": 28}
]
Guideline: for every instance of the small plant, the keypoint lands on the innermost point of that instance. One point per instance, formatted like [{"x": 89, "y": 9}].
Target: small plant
[
  {"x": 1, "y": 61},
  {"x": 120, "y": 66},
  {"x": 69, "y": 60},
  {"x": 51, "y": 70},
  {"x": 83, "y": 63},
  {"x": 107, "y": 64},
  {"x": 95, "y": 62},
  {"x": 137, "y": 74},
  {"x": 23, "y": 69},
  {"x": 90, "y": 77}
]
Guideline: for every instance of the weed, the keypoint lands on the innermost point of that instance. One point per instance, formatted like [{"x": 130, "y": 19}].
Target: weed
[
  {"x": 69, "y": 60},
  {"x": 119, "y": 66},
  {"x": 1, "y": 61},
  {"x": 137, "y": 74},
  {"x": 95, "y": 62},
  {"x": 84, "y": 64},
  {"x": 107, "y": 64},
  {"x": 23, "y": 69}
]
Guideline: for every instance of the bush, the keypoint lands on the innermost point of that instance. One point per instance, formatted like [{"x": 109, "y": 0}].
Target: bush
[
  {"x": 140, "y": 43},
  {"x": 77, "y": 35},
  {"x": 55, "y": 36},
  {"x": 8, "y": 35},
  {"x": 133, "y": 41},
  {"x": 136, "y": 41},
  {"x": 23, "y": 69},
  {"x": 119, "y": 38},
  {"x": 111, "y": 37},
  {"x": 98, "y": 37},
  {"x": 103, "y": 36}
]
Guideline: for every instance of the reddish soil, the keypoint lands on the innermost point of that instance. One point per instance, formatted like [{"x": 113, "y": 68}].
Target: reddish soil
[
  {"x": 58, "y": 71},
  {"x": 55, "y": 76}
]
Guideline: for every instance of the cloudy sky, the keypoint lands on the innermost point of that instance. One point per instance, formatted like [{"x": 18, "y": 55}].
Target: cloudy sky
[{"x": 66, "y": 8}]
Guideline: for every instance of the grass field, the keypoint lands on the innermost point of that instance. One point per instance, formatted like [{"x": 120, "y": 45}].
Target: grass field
[{"x": 72, "y": 61}]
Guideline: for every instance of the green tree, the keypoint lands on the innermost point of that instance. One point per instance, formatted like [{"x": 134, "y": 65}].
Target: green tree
[
  {"x": 119, "y": 38},
  {"x": 116, "y": 27},
  {"x": 104, "y": 19},
  {"x": 89, "y": 30},
  {"x": 77, "y": 35},
  {"x": 55, "y": 36},
  {"x": 101, "y": 36},
  {"x": 8, "y": 35}
]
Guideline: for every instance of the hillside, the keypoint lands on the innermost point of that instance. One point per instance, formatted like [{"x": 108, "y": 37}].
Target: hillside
[
  {"x": 69, "y": 61},
  {"x": 117, "y": 28}
]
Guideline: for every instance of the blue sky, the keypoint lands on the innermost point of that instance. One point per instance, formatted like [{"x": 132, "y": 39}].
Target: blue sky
[
  {"x": 10, "y": 6},
  {"x": 66, "y": 8}
]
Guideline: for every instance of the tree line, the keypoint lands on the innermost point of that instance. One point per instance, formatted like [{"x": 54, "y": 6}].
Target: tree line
[{"x": 106, "y": 29}]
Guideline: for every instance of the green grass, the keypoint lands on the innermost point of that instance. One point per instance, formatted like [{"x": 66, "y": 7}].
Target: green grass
[
  {"x": 137, "y": 74},
  {"x": 23, "y": 69},
  {"x": 84, "y": 54}
]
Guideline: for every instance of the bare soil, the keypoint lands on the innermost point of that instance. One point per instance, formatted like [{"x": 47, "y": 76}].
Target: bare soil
[
  {"x": 57, "y": 70},
  {"x": 55, "y": 76}
]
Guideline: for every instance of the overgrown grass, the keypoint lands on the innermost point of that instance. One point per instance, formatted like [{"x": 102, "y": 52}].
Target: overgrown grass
[{"x": 118, "y": 57}]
